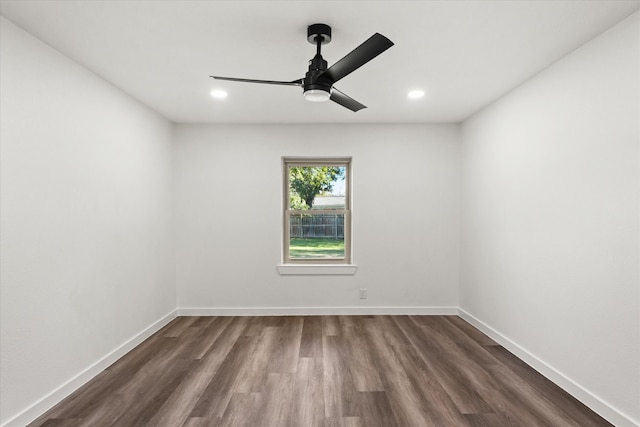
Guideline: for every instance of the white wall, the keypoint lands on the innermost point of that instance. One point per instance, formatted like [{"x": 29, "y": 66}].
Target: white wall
[
  {"x": 86, "y": 224},
  {"x": 551, "y": 219},
  {"x": 228, "y": 187}
]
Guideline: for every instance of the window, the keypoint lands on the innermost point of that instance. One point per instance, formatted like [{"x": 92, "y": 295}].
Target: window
[{"x": 317, "y": 216}]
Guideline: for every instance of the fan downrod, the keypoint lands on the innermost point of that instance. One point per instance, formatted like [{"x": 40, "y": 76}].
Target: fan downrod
[
  {"x": 315, "y": 87},
  {"x": 320, "y": 32}
]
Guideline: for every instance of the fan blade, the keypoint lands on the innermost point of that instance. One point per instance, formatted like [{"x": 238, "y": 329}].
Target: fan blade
[
  {"x": 345, "y": 100},
  {"x": 267, "y": 82},
  {"x": 374, "y": 46}
]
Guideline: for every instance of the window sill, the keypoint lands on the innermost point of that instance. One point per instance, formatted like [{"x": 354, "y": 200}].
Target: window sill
[{"x": 317, "y": 270}]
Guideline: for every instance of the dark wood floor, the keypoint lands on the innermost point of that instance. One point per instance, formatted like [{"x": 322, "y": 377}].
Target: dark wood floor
[{"x": 320, "y": 371}]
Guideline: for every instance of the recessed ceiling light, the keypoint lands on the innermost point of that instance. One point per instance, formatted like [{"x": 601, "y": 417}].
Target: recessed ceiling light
[
  {"x": 219, "y": 93},
  {"x": 415, "y": 94}
]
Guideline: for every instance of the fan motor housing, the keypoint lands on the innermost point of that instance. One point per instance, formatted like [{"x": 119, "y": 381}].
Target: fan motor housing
[
  {"x": 317, "y": 85},
  {"x": 313, "y": 79}
]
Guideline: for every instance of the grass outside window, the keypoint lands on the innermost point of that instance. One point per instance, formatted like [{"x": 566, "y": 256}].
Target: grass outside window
[{"x": 316, "y": 248}]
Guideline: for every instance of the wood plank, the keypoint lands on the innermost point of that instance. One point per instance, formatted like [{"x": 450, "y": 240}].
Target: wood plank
[
  {"x": 207, "y": 336},
  {"x": 452, "y": 340},
  {"x": 436, "y": 354},
  {"x": 201, "y": 422},
  {"x": 214, "y": 400},
  {"x": 311, "y": 340},
  {"x": 404, "y": 399},
  {"x": 151, "y": 396},
  {"x": 284, "y": 359},
  {"x": 331, "y": 325},
  {"x": 358, "y": 355},
  {"x": 220, "y": 348},
  {"x": 389, "y": 329},
  {"x": 308, "y": 393},
  {"x": 344, "y": 422},
  {"x": 55, "y": 422},
  {"x": 527, "y": 397},
  {"x": 488, "y": 420},
  {"x": 129, "y": 386},
  {"x": 252, "y": 376},
  {"x": 276, "y": 409},
  {"x": 567, "y": 403},
  {"x": 434, "y": 400},
  {"x": 338, "y": 384},
  {"x": 374, "y": 409},
  {"x": 471, "y": 331},
  {"x": 106, "y": 413},
  {"x": 177, "y": 326},
  {"x": 243, "y": 411},
  {"x": 180, "y": 403}
]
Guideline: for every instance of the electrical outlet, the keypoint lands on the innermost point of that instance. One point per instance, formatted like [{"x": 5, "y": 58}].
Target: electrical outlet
[{"x": 363, "y": 293}]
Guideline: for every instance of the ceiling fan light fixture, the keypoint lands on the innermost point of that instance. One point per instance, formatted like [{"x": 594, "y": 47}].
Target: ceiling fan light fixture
[{"x": 317, "y": 95}]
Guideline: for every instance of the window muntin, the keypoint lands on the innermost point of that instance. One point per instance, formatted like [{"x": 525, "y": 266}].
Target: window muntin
[{"x": 317, "y": 216}]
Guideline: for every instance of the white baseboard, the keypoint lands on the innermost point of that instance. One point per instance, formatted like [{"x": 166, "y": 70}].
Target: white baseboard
[
  {"x": 598, "y": 405},
  {"x": 314, "y": 311},
  {"x": 49, "y": 401}
]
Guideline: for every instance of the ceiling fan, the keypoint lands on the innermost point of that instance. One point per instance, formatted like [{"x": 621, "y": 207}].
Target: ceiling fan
[{"x": 318, "y": 82}]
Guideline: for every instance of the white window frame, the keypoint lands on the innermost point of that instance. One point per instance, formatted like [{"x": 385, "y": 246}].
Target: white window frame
[{"x": 289, "y": 162}]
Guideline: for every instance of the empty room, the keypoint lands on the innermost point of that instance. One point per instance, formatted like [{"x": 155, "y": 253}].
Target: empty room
[{"x": 320, "y": 213}]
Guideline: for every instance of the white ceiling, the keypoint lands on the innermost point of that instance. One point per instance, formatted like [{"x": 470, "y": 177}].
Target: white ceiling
[{"x": 464, "y": 54}]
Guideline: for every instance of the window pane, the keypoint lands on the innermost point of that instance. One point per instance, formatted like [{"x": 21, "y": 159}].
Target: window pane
[
  {"x": 316, "y": 235},
  {"x": 317, "y": 216},
  {"x": 317, "y": 187}
]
